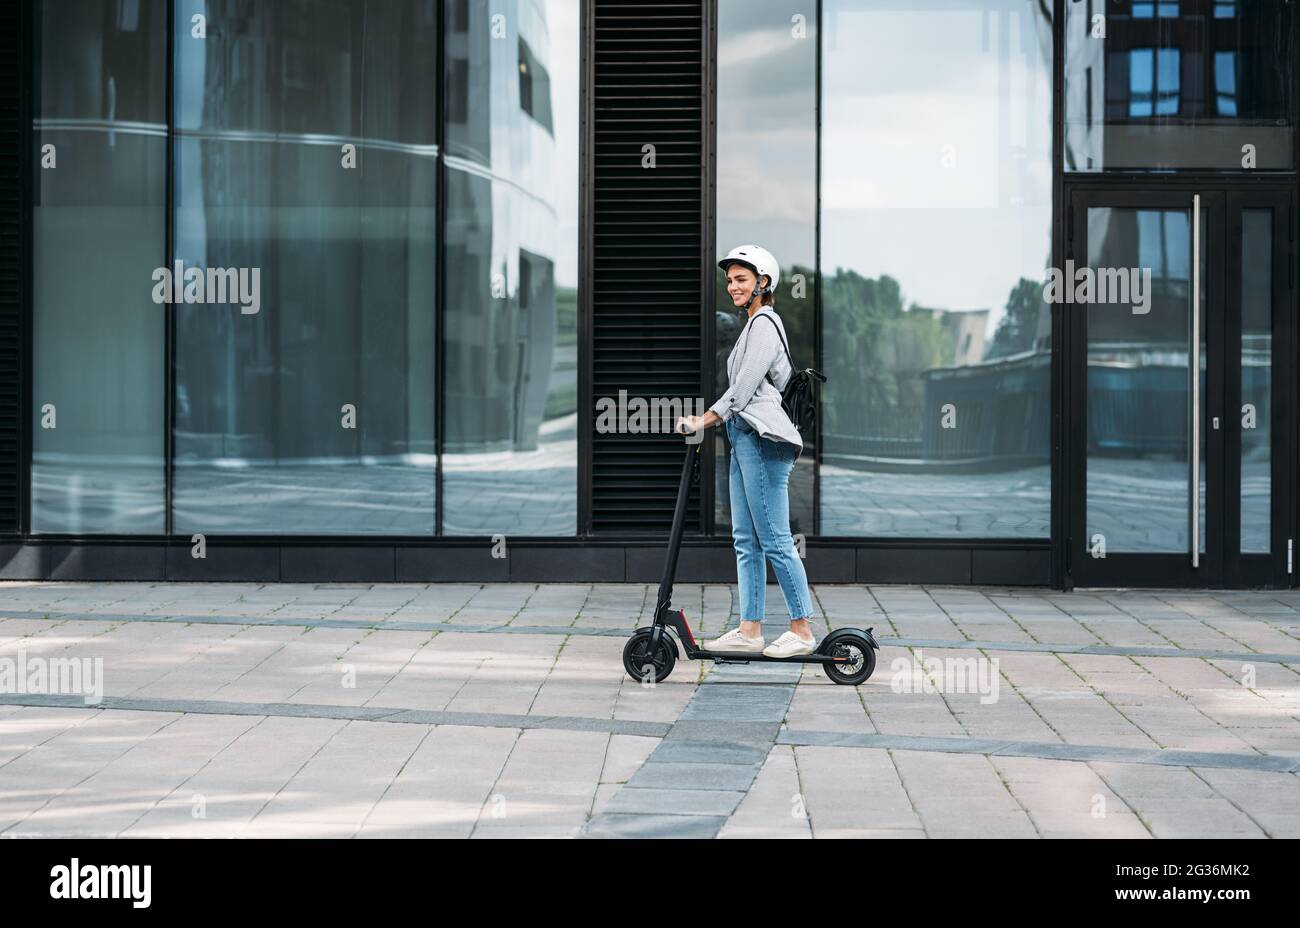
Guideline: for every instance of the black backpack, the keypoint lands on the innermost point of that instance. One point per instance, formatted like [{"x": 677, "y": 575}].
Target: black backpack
[{"x": 799, "y": 398}]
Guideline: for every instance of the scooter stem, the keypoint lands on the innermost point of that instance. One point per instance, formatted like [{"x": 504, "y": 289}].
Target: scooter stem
[{"x": 690, "y": 468}]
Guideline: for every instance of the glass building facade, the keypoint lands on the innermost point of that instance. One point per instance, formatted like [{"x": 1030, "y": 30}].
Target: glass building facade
[
  {"x": 389, "y": 193},
  {"x": 325, "y": 271}
]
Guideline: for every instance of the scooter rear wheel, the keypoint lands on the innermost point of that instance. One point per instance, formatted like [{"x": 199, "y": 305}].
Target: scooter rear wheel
[
  {"x": 861, "y": 660},
  {"x": 644, "y": 667}
]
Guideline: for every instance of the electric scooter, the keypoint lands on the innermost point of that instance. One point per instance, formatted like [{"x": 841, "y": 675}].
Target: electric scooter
[{"x": 847, "y": 655}]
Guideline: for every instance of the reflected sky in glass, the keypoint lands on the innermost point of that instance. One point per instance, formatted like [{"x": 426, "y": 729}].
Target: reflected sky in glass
[
  {"x": 767, "y": 190},
  {"x": 935, "y": 238},
  {"x": 936, "y": 147}
]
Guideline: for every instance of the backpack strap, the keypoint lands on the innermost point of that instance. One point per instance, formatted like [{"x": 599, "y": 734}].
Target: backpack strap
[{"x": 783, "y": 345}]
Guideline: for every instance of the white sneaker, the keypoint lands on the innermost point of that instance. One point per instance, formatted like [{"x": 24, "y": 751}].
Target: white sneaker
[
  {"x": 790, "y": 645},
  {"x": 735, "y": 641}
]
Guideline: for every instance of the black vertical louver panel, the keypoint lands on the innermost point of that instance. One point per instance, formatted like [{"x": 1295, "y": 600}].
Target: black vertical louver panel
[
  {"x": 647, "y": 254},
  {"x": 12, "y": 235}
]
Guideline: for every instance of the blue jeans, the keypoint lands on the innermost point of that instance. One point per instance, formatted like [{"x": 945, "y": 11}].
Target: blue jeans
[{"x": 760, "y": 521}]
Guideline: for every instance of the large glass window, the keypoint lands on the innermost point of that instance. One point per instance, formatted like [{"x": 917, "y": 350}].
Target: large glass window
[
  {"x": 935, "y": 237},
  {"x": 306, "y": 159},
  {"x": 511, "y": 453},
  {"x": 1194, "y": 84},
  {"x": 767, "y": 192},
  {"x": 98, "y": 232},
  {"x": 314, "y": 386}
]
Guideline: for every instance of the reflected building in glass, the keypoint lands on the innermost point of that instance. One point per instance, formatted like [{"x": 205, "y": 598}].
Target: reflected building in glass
[
  {"x": 1178, "y": 84},
  {"x": 511, "y": 401},
  {"x": 396, "y": 340},
  {"x": 98, "y": 228},
  {"x": 306, "y": 148}
]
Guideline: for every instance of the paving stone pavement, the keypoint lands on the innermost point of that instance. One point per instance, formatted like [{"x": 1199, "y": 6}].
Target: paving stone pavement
[
  {"x": 500, "y": 710},
  {"x": 707, "y": 761}
]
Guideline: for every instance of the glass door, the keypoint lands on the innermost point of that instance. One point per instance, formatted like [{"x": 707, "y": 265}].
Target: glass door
[
  {"x": 1177, "y": 304},
  {"x": 1259, "y": 468}
]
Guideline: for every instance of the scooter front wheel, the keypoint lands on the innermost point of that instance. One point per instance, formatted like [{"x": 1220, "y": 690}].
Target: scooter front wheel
[
  {"x": 644, "y": 667},
  {"x": 859, "y": 659}
]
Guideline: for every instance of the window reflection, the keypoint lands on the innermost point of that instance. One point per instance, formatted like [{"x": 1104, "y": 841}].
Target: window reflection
[
  {"x": 1225, "y": 82},
  {"x": 316, "y": 414},
  {"x": 534, "y": 87},
  {"x": 306, "y": 163},
  {"x": 1184, "y": 85},
  {"x": 935, "y": 223},
  {"x": 1153, "y": 81},
  {"x": 767, "y": 195},
  {"x": 510, "y": 452},
  {"x": 1138, "y": 394},
  {"x": 1150, "y": 10},
  {"x": 1256, "y": 380},
  {"x": 98, "y": 231}
]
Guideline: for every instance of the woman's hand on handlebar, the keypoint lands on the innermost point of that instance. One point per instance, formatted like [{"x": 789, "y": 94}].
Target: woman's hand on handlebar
[{"x": 687, "y": 425}]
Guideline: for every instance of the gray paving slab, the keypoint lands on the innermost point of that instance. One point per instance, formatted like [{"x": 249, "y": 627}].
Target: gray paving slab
[
  {"x": 762, "y": 733},
  {"x": 655, "y": 774},
  {"x": 614, "y": 726},
  {"x": 680, "y": 802},
  {"x": 709, "y": 752},
  {"x": 1072, "y": 752},
  {"x": 738, "y": 702},
  {"x": 899, "y": 742},
  {"x": 1226, "y": 761},
  {"x": 1078, "y": 752},
  {"x": 652, "y": 825},
  {"x": 1067, "y": 648},
  {"x": 355, "y": 713}
]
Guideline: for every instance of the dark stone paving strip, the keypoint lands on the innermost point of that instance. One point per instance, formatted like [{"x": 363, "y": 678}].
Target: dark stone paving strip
[
  {"x": 693, "y": 781},
  {"x": 274, "y": 622},
  {"x": 653, "y": 825},
  {"x": 610, "y": 632},
  {"x": 352, "y": 713},
  {"x": 1109, "y": 650},
  {"x": 1164, "y": 757}
]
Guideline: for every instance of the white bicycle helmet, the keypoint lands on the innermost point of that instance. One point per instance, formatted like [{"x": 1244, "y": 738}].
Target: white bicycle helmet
[{"x": 757, "y": 259}]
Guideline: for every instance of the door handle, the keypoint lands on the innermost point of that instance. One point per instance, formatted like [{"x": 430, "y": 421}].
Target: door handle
[{"x": 1194, "y": 468}]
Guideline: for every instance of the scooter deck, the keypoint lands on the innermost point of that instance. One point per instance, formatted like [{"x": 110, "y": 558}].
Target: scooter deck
[{"x": 738, "y": 656}]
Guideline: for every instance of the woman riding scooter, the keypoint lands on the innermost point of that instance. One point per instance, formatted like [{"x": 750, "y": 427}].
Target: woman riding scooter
[{"x": 764, "y": 445}]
